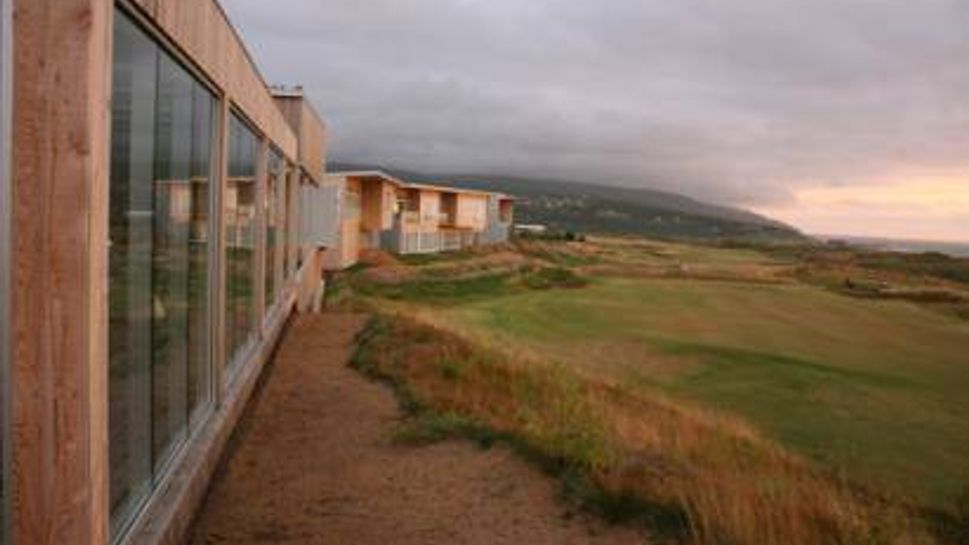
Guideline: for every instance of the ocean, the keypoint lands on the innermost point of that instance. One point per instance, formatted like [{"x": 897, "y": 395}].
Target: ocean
[{"x": 957, "y": 249}]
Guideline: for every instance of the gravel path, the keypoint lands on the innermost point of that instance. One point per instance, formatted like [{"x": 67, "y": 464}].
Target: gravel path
[{"x": 312, "y": 462}]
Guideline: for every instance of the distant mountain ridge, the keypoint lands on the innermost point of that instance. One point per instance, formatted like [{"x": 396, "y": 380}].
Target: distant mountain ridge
[{"x": 592, "y": 208}]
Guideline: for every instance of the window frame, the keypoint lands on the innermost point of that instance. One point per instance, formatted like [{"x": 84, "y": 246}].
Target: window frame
[
  {"x": 220, "y": 123},
  {"x": 232, "y": 363},
  {"x": 135, "y": 13},
  {"x": 222, "y": 372},
  {"x": 120, "y": 529},
  {"x": 276, "y": 194}
]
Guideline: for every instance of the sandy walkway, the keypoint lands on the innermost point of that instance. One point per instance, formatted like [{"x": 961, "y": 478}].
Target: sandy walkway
[{"x": 312, "y": 463}]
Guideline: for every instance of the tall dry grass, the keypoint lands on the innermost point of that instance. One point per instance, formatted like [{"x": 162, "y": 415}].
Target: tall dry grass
[{"x": 691, "y": 475}]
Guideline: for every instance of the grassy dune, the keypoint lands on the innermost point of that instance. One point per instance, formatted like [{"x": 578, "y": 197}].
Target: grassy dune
[
  {"x": 722, "y": 393},
  {"x": 690, "y": 475},
  {"x": 874, "y": 388}
]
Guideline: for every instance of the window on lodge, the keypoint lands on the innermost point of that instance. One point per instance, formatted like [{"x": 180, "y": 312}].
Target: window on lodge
[
  {"x": 241, "y": 312},
  {"x": 276, "y": 223},
  {"x": 163, "y": 128}
]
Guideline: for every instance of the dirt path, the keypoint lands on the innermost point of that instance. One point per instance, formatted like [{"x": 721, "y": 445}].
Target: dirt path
[{"x": 313, "y": 463}]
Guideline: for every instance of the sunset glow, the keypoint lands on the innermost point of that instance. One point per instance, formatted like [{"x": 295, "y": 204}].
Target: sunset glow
[{"x": 936, "y": 209}]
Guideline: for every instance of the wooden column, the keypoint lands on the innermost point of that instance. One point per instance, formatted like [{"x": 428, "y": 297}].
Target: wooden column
[
  {"x": 5, "y": 224},
  {"x": 59, "y": 279}
]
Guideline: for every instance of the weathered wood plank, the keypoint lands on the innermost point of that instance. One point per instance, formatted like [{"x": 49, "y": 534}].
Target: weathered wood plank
[
  {"x": 202, "y": 32},
  {"x": 5, "y": 229},
  {"x": 59, "y": 277},
  {"x": 311, "y": 132}
]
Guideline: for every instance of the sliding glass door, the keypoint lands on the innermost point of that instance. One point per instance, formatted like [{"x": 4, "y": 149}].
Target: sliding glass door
[{"x": 163, "y": 122}]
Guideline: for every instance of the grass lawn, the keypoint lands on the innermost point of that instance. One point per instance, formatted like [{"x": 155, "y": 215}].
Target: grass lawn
[
  {"x": 874, "y": 388},
  {"x": 637, "y": 250}
]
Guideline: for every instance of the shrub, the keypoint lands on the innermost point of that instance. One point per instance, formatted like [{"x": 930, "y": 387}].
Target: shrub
[{"x": 438, "y": 290}]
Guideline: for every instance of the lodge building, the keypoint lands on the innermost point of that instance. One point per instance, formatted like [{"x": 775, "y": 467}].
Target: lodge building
[
  {"x": 379, "y": 211},
  {"x": 163, "y": 212}
]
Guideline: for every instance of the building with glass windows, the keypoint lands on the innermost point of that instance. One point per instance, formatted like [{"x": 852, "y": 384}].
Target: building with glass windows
[
  {"x": 159, "y": 211},
  {"x": 376, "y": 211}
]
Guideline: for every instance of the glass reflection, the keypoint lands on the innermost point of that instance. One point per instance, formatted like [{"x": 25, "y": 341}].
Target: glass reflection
[
  {"x": 240, "y": 247},
  {"x": 275, "y": 222},
  {"x": 162, "y": 129}
]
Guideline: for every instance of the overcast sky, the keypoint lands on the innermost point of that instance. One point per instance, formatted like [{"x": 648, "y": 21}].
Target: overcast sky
[{"x": 841, "y": 116}]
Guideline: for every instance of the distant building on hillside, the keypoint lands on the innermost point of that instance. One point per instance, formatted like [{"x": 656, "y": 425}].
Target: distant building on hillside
[{"x": 378, "y": 211}]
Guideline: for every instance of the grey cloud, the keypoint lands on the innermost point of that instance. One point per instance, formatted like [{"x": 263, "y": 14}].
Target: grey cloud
[{"x": 735, "y": 100}]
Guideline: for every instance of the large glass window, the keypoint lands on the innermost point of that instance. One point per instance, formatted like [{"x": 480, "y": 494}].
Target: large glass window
[
  {"x": 303, "y": 187},
  {"x": 275, "y": 213},
  {"x": 289, "y": 255},
  {"x": 240, "y": 217},
  {"x": 162, "y": 129}
]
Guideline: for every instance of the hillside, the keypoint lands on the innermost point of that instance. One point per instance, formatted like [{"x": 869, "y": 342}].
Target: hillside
[{"x": 592, "y": 208}]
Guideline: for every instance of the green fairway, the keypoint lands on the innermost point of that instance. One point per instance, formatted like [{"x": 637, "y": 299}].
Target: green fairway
[{"x": 875, "y": 388}]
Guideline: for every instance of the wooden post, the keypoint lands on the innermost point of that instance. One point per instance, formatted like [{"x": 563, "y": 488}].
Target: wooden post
[
  {"x": 5, "y": 97},
  {"x": 59, "y": 323}
]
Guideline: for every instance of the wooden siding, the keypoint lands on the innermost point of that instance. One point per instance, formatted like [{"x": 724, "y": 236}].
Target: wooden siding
[
  {"x": 203, "y": 33},
  {"x": 313, "y": 142},
  {"x": 430, "y": 210},
  {"x": 59, "y": 281},
  {"x": 59, "y": 277},
  {"x": 472, "y": 212},
  {"x": 311, "y": 132},
  {"x": 6, "y": 58},
  {"x": 371, "y": 204},
  {"x": 389, "y": 206}
]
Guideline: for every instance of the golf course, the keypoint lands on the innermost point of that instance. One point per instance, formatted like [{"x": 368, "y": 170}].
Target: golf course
[{"x": 858, "y": 372}]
